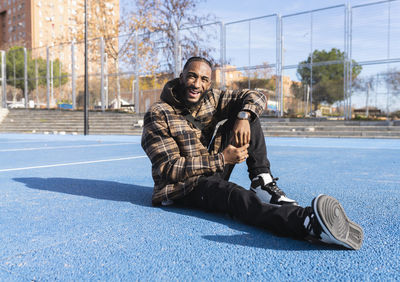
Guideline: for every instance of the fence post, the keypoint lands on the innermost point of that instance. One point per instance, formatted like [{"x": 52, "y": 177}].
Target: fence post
[
  {"x": 26, "y": 78},
  {"x": 137, "y": 102},
  {"x": 48, "y": 76},
  {"x": 73, "y": 74},
  {"x": 388, "y": 58},
  {"x": 176, "y": 53},
  {"x": 3, "y": 79},
  {"x": 348, "y": 64},
  {"x": 51, "y": 80},
  {"x": 60, "y": 65},
  {"x": 106, "y": 79},
  {"x": 102, "y": 73},
  {"x": 222, "y": 54},
  {"x": 278, "y": 70},
  {"x": 350, "y": 46},
  {"x": 311, "y": 60},
  {"x": 37, "y": 83}
]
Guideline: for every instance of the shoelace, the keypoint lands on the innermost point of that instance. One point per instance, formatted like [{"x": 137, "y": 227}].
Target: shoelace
[
  {"x": 313, "y": 226},
  {"x": 273, "y": 188}
]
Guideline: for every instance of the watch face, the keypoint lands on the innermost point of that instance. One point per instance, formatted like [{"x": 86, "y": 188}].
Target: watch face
[{"x": 243, "y": 115}]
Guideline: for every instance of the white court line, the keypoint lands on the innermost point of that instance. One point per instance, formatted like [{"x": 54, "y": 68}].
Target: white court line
[
  {"x": 66, "y": 147},
  {"x": 75, "y": 163},
  {"x": 26, "y": 141}
]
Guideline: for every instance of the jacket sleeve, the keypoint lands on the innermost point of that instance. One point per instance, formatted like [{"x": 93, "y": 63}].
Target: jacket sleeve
[
  {"x": 164, "y": 153},
  {"x": 234, "y": 101}
]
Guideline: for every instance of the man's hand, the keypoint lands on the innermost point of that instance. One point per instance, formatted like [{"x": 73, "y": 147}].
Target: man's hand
[
  {"x": 234, "y": 155},
  {"x": 241, "y": 133}
]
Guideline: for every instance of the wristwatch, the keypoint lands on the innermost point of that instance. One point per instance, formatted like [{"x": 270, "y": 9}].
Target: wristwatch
[{"x": 244, "y": 115}]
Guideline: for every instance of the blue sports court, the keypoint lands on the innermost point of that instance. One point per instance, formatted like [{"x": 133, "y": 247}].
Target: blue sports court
[{"x": 76, "y": 208}]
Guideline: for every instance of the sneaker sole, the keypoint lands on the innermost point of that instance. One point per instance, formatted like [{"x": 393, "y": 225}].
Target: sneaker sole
[{"x": 341, "y": 229}]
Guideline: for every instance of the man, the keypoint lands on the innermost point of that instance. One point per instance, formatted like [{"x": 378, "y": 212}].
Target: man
[{"x": 192, "y": 161}]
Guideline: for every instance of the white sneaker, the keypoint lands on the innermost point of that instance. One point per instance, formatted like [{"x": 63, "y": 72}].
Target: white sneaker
[{"x": 264, "y": 185}]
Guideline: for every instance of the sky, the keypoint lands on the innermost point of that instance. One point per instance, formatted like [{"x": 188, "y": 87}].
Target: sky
[
  {"x": 232, "y": 10},
  {"x": 369, "y": 42}
]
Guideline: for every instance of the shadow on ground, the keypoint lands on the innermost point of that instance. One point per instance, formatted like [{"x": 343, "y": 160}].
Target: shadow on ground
[
  {"x": 141, "y": 195},
  {"x": 97, "y": 189}
]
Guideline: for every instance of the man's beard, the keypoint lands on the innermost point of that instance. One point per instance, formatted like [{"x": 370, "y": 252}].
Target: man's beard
[{"x": 189, "y": 104}]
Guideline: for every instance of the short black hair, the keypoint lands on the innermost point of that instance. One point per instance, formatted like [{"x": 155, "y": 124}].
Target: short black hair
[{"x": 197, "y": 59}]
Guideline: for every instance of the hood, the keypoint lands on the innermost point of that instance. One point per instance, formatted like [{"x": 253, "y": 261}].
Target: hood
[{"x": 170, "y": 94}]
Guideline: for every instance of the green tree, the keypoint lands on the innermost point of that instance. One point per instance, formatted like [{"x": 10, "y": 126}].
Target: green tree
[
  {"x": 327, "y": 75},
  {"x": 15, "y": 70}
]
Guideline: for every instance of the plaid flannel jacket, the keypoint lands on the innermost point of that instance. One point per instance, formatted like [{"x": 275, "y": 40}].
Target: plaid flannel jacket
[{"x": 177, "y": 149}]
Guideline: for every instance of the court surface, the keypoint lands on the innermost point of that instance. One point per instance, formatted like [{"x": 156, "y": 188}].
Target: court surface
[{"x": 76, "y": 208}]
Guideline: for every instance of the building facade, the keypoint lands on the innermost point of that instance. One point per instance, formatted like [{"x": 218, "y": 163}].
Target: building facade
[{"x": 39, "y": 23}]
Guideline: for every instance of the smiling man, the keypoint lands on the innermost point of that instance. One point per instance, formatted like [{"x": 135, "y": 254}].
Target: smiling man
[{"x": 192, "y": 159}]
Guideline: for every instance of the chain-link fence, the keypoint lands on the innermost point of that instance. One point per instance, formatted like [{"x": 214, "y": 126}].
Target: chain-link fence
[{"x": 339, "y": 61}]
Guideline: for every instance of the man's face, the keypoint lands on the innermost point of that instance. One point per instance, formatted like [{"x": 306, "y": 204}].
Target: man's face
[{"x": 196, "y": 80}]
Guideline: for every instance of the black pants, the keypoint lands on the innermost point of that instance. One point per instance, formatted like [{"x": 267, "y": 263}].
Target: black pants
[{"x": 216, "y": 194}]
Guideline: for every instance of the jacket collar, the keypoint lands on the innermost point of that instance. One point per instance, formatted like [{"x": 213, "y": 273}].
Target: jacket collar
[{"x": 171, "y": 95}]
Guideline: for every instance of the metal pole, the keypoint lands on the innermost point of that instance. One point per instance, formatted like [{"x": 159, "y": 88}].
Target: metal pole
[
  {"x": 180, "y": 57},
  {"x": 281, "y": 79},
  {"x": 86, "y": 93},
  {"x": 73, "y": 74},
  {"x": 14, "y": 73},
  {"x": 37, "y": 83},
  {"x": 60, "y": 73},
  {"x": 388, "y": 68},
  {"x": 51, "y": 81},
  {"x": 137, "y": 102},
  {"x": 102, "y": 73},
  {"x": 249, "y": 56},
  {"x": 222, "y": 54},
  {"x": 345, "y": 47},
  {"x": 26, "y": 78},
  {"x": 106, "y": 79},
  {"x": 366, "y": 101},
  {"x": 48, "y": 76},
  {"x": 278, "y": 69},
  {"x": 311, "y": 65},
  {"x": 345, "y": 63},
  {"x": 176, "y": 53},
  {"x": 281, "y": 67},
  {"x": 350, "y": 57},
  {"x": 3, "y": 78}
]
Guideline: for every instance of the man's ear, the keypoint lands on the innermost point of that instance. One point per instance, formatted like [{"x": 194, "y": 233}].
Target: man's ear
[{"x": 181, "y": 78}]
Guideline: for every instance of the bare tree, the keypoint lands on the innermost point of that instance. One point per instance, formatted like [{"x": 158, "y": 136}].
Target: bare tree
[
  {"x": 169, "y": 16},
  {"x": 366, "y": 84},
  {"x": 392, "y": 78},
  {"x": 105, "y": 21}
]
